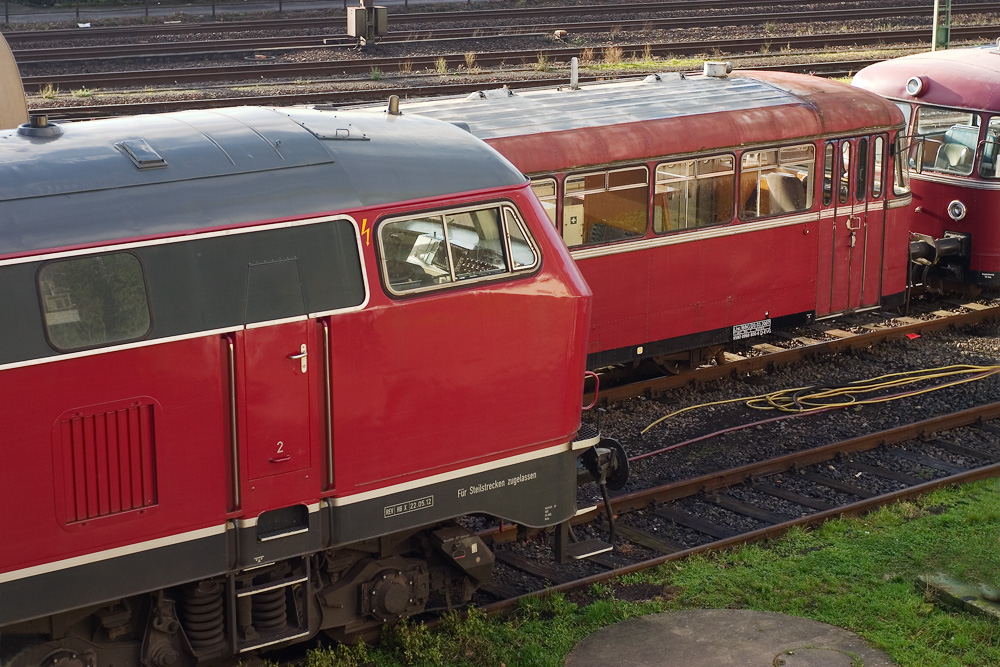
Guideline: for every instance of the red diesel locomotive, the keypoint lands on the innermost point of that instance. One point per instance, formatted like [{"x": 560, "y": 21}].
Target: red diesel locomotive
[
  {"x": 952, "y": 109},
  {"x": 709, "y": 208},
  {"x": 253, "y": 365}
]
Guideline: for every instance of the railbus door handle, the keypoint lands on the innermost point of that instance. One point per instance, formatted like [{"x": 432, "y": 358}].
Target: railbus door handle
[{"x": 302, "y": 356}]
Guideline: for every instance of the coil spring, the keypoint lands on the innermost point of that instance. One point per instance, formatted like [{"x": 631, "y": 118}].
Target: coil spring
[
  {"x": 203, "y": 620},
  {"x": 269, "y": 613}
]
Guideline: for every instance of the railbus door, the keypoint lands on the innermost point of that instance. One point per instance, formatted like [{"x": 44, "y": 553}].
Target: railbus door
[
  {"x": 852, "y": 227},
  {"x": 278, "y": 366}
]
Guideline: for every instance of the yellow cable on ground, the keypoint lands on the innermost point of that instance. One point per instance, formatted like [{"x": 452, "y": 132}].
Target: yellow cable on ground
[{"x": 809, "y": 399}]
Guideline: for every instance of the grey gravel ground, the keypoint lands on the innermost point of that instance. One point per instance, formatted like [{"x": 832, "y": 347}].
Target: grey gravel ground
[{"x": 978, "y": 345}]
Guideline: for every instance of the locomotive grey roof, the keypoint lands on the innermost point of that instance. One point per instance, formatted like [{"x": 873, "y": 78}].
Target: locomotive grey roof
[
  {"x": 122, "y": 178},
  {"x": 502, "y": 113}
]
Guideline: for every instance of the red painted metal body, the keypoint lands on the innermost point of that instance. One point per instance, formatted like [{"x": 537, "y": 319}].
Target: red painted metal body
[
  {"x": 281, "y": 408},
  {"x": 663, "y": 292},
  {"x": 414, "y": 387},
  {"x": 939, "y": 90}
]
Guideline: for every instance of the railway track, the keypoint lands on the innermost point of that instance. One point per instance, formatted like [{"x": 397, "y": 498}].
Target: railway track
[
  {"x": 816, "y": 340},
  {"x": 368, "y": 95},
  {"x": 337, "y": 38},
  {"x": 761, "y": 500},
  {"x": 336, "y": 20},
  {"x": 265, "y": 72}
]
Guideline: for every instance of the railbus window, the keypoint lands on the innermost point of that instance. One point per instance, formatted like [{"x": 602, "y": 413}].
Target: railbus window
[
  {"x": 694, "y": 193},
  {"x": 545, "y": 190},
  {"x": 989, "y": 160},
  {"x": 828, "y": 174},
  {"x": 861, "y": 182},
  {"x": 93, "y": 301},
  {"x": 907, "y": 112},
  {"x": 900, "y": 175},
  {"x": 604, "y": 206},
  {"x": 431, "y": 251},
  {"x": 776, "y": 180},
  {"x": 947, "y": 140},
  {"x": 878, "y": 157},
  {"x": 845, "y": 174}
]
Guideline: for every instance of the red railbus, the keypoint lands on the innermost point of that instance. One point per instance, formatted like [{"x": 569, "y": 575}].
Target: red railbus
[
  {"x": 709, "y": 208},
  {"x": 952, "y": 107}
]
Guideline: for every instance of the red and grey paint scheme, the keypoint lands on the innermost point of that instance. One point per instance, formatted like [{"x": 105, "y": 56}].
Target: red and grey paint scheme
[
  {"x": 223, "y": 430},
  {"x": 951, "y": 100},
  {"x": 669, "y": 286}
]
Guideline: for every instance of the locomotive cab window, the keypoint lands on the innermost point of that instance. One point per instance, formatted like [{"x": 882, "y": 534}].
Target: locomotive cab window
[
  {"x": 946, "y": 140},
  {"x": 454, "y": 246},
  {"x": 605, "y": 206},
  {"x": 93, "y": 301},
  {"x": 776, "y": 181}
]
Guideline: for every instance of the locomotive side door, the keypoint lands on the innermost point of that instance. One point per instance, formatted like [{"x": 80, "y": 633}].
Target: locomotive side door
[{"x": 278, "y": 366}]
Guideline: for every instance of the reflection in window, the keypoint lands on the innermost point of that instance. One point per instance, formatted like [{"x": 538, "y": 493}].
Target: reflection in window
[
  {"x": 694, "y": 193},
  {"x": 96, "y": 300},
  {"x": 454, "y": 246},
  {"x": 545, "y": 190},
  {"x": 949, "y": 138},
  {"x": 605, "y": 206},
  {"x": 777, "y": 180}
]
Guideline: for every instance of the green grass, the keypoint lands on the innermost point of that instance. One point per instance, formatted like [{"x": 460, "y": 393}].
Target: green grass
[{"x": 854, "y": 573}]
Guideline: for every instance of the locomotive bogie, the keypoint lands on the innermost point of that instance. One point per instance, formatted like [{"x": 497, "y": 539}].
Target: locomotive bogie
[
  {"x": 233, "y": 419},
  {"x": 709, "y": 209}
]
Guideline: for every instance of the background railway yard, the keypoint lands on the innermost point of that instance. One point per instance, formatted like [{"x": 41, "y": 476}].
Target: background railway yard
[
  {"x": 778, "y": 436},
  {"x": 190, "y": 62}
]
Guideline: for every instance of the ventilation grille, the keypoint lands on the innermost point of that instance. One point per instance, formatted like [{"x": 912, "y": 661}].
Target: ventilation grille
[{"x": 109, "y": 462}]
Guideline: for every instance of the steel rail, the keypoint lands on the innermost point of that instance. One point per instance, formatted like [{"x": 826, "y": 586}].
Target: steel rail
[
  {"x": 396, "y": 17},
  {"x": 716, "y": 481},
  {"x": 299, "y": 70},
  {"x": 365, "y": 96},
  {"x": 750, "y": 364},
  {"x": 271, "y": 44}
]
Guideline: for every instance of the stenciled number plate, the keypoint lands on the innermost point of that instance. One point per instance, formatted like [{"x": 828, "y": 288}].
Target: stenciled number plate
[{"x": 751, "y": 329}]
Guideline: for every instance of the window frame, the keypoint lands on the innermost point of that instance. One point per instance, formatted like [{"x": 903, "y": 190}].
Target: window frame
[
  {"x": 106, "y": 343},
  {"x": 696, "y": 177},
  {"x": 810, "y": 182},
  {"x": 502, "y": 207},
  {"x": 564, "y": 193},
  {"x": 554, "y": 218}
]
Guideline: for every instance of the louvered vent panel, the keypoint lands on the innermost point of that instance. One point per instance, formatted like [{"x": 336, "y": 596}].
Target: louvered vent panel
[{"x": 109, "y": 458}]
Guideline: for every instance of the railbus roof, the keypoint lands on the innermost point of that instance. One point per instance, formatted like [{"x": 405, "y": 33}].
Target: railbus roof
[
  {"x": 669, "y": 114},
  {"x": 967, "y": 78}
]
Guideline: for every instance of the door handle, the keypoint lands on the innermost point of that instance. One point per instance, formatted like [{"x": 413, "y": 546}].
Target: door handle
[
  {"x": 302, "y": 356},
  {"x": 853, "y": 222}
]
